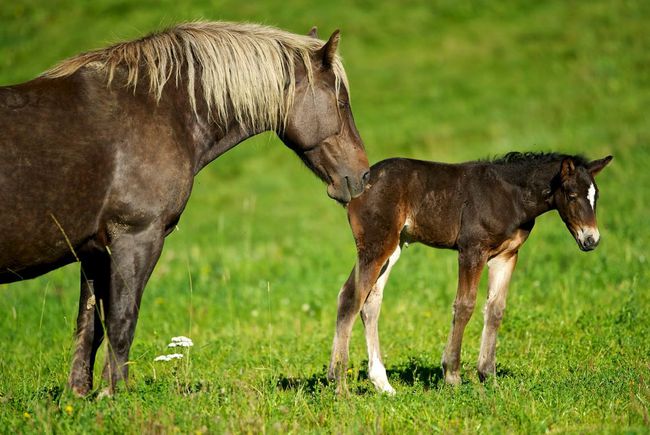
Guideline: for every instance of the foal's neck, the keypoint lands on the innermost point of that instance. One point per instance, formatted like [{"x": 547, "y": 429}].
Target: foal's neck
[{"x": 536, "y": 187}]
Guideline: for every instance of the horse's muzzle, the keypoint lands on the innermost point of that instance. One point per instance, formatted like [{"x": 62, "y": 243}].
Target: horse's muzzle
[{"x": 348, "y": 188}]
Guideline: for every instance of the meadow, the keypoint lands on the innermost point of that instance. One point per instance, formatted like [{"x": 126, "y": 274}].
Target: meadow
[{"x": 253, "y": 272}]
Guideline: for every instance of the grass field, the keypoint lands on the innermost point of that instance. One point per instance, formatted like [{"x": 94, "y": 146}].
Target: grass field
[{"x": 253, "y": 273}]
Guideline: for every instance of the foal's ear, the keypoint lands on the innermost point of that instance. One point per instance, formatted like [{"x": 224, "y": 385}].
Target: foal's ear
[
  {"x": 313, "y": 33},
  {"x": 597, "y": 165},
  {"x": 567, "y": 170},
  {"x": 328, "y": 51}
]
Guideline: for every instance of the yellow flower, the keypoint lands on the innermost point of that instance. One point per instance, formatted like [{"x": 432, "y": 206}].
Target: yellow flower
[
  {"x": 27, "y": 414},
  {"x": 349, "y": 371},
  {"x": 68, "y": 409}
]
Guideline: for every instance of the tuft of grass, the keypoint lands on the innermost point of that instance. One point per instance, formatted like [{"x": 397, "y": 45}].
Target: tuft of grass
[{"x": 254, "y": 269}]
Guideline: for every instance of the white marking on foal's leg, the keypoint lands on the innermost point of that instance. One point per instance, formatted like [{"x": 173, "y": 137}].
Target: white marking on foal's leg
[
  {"x": 499, "y": 274},
  {"x": 591, "y": 195},
  {"x": 378, "y": 376},
  {"x": 370, "y": 315}
]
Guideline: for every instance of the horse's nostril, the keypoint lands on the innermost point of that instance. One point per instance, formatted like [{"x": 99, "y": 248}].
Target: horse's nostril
[{"x": 366, "y": 177}]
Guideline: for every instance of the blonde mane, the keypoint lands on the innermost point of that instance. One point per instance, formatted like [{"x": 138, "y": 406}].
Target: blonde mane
[{"x": 248, "y": 69}]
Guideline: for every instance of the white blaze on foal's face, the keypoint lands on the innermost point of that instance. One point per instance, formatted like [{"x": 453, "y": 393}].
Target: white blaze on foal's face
[{"x": 591, "y": 195}]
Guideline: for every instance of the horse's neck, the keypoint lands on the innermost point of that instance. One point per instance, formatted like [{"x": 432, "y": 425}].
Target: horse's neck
[
  {"x": 223, "y": 140},
  {"x": 208, "y": 138}
]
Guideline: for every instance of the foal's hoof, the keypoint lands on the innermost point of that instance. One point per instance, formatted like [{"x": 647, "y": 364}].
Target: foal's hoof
[
  {"x": 386, "y": 389},
  {"x": 485, "y": 376}
]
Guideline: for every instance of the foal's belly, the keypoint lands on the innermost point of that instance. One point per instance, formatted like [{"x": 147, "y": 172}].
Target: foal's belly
[{"x": 436, "y": 224}]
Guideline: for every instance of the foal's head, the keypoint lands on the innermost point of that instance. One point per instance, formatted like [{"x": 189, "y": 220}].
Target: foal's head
[
  {"x": 575, "y": 199},
  {"x": 320, "y": 127}
]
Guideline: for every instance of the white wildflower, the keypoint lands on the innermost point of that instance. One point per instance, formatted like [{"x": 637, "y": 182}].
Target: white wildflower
[
  {"x": 169, "y": 357},
  {"x": 181, "y": 342},
  {"x": 305, "y": 307}
]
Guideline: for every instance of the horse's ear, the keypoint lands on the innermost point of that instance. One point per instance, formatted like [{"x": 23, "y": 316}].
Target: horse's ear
[
  {"x": 328, "y": 51},
  {"x": 313, "y": 33},
  {"x": 597, "y": 165},
  {"x": 567, "y": 170}
]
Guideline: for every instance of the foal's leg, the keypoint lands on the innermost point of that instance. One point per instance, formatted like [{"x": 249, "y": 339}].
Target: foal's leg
[
  {"x": 470, "y": 266},
  {"x": 370, "y": 318},
  {"x": 500, "y": 271},
  {"x": 133, "y": 257},
  {"x": 351, "y": 297},
  {"x": 90, "y": 331}
]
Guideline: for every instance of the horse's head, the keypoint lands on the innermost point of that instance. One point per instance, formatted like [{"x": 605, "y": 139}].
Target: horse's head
[
  {"x": 321, "y": 130},
  {"x": 576, "y": 198}
]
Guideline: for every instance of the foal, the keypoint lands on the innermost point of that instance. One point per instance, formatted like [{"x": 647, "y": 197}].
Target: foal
[{"x": 484, "y": 210}]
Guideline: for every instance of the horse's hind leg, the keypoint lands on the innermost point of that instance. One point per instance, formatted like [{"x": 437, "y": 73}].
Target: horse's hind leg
[
  {"x": 470, "y": 266},
  {"x": 90, "y": 332},
  {"x": 370, "y": 318},
  {"x": 133, "y": 255},
  {"x": 500, "y": 272}
]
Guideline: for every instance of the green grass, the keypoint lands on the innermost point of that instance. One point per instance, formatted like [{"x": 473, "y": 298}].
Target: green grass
[{"x": 267, "y": 251}]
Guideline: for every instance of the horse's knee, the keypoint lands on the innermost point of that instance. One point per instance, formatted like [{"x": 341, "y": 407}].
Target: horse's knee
[
  {"x": 494, "y": 314},
  {"x": 463, "y": 309}
]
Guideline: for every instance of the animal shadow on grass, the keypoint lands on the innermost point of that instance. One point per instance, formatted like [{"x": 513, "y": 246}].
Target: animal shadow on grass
[
  {"x": 417, "y": 371},
  {"x": 412, "y": 371},
  {"x": 309, "y": 384}
]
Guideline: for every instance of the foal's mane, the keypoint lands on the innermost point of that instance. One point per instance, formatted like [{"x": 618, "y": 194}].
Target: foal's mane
[
  {"x": 536, "y": 158},
  {"x": 245, "y": 68}
]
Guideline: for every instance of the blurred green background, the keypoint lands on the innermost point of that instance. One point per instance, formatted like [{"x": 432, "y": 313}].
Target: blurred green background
[{"x": 253, "y": 272}]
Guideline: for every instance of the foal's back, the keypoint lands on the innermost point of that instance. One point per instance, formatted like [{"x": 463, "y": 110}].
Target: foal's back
[{"x": 421, "y": 201}]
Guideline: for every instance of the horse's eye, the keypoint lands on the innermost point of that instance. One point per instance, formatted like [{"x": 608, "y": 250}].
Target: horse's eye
[
  {"x": 343, "y": 104},
  {"x": 573, "y": 195}
]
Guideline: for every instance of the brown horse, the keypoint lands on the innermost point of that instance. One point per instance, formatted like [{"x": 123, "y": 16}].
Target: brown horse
[
  {"x": 99, "y": 155},
  {"x": 484, "y": 210}
]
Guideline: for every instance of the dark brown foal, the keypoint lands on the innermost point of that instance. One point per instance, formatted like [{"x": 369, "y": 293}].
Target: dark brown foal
[{"x": 485, "y": 211}]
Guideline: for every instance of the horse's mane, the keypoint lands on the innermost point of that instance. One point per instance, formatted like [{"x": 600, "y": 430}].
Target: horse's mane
[
  {"x": 248, "y": 69},
  {"x": 536, "y": 158}
]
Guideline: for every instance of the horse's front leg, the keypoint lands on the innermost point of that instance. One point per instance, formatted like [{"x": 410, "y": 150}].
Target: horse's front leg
[
  {"x": 370, "y": 317},
  {"x": 470, "y": 266},
  {"x": 352, "y": 296},
  {"x": 500, "y": 272},
  {"x": 133, "y": 255},
  {"x": 90, "y": 331}
]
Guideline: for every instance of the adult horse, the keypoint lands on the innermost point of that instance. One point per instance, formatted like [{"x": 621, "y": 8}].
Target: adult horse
[{"x": 99, "y": 155}]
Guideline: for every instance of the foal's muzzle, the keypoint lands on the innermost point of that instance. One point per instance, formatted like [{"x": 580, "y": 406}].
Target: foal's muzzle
[{"x": 588, "y": 238}]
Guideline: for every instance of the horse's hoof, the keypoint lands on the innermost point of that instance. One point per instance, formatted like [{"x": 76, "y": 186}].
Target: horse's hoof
[
  {"x": 79, "y": 392},
  {"x": 342, "y": 390},
  {"x": 452, "y": 379},
  {"x": 105, "y": 393}
]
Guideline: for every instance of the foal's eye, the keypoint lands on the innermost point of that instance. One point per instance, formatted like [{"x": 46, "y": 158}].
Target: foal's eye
[
  {"x": 573, "y": 195},
  {"x": 342, "y": 104}
]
